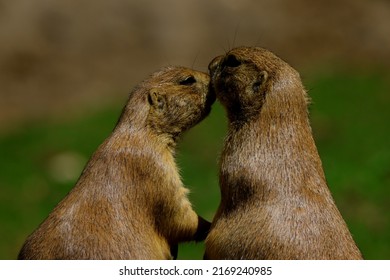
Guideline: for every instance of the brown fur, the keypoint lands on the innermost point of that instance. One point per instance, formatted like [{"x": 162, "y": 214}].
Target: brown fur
[
  {"x": 129, "y": 202},
  {"x": 275, "y": 203}
]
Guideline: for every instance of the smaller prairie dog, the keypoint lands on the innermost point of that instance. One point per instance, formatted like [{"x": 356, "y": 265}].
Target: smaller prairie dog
[
  {"x": 275, "y": 203},
  {"x": 129, "y": 202}
]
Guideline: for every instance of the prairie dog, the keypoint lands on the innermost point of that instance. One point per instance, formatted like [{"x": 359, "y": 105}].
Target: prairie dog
[
  {"x": 130, "y": 202},
  {"x": 275, "y": 202}
]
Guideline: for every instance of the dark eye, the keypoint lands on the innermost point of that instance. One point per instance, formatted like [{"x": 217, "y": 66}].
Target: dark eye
[
  {"x": 256, "y": 87},
  {"x": 231, "y": 61},
  {"x": 188, "y": 81}
]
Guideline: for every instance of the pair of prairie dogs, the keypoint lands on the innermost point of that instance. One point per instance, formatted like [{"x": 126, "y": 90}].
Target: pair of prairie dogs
[{"x": 130, "y": 203}]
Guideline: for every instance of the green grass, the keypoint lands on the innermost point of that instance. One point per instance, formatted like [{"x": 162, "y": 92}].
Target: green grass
[{"x": 350, "y": 120}]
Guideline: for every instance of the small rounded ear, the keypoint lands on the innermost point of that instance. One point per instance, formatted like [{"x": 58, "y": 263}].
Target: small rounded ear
[
  {"x": 263, "y": 75},
  {"x": 156, "y": 100},
  {"x": 261, "y": 79}
]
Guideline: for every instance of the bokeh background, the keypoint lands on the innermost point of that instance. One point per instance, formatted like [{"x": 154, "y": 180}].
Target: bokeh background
[{"x": 66, "y": 68}]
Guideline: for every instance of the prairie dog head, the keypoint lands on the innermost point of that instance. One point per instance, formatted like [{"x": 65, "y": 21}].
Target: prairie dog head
[
  {"x": 170, "y": 101},
  {"x": 178, "y": 100},
  {"x": 249, "y": 80}
]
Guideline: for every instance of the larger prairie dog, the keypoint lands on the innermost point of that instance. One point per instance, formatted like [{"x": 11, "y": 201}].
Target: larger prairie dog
[
  {"x": 275, "y": 202},
  {"x": 129, "y": 202}
]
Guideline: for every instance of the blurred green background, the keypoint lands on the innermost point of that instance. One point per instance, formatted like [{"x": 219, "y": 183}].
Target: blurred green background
[{"x": 65, "y": 70}]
